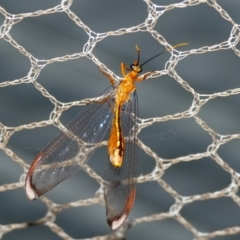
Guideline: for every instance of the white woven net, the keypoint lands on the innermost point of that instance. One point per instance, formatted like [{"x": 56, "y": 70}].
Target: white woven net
[{"x": 189, "y": 153}]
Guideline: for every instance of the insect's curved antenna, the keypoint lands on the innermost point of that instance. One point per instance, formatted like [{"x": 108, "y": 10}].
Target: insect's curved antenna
[{"x": 167, "y": 50}]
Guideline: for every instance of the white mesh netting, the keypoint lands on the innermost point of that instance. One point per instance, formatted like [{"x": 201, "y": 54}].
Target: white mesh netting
[{"x": 189, "y": 167}]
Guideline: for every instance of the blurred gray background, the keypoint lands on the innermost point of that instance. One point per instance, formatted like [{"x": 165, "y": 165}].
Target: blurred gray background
[{"x": 55, "y": 35}]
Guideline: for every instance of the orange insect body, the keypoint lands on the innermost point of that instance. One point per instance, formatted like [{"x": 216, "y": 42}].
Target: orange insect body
[{"x": 124, "y": 89}]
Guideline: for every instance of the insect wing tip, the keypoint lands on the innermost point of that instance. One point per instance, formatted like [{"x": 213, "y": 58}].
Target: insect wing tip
[
  {"x": 29, "y": 187},
  {"x": 30, "y": 191},
  {"x": 117, "y": 222}
]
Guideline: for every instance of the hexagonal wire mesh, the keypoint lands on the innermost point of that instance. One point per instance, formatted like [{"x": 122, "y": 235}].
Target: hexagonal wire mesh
[{"x": 188, "y": 171}]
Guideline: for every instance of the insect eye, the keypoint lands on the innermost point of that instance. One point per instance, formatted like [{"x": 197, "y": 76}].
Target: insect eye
[
  {"x": 132, "y": 66},
  {"x": 136, "y": 68}
]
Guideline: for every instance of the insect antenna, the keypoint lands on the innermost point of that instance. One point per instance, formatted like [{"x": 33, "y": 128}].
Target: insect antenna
[
  {"x": 138, "y": 53},
  {"x": 175, "y": 46}
]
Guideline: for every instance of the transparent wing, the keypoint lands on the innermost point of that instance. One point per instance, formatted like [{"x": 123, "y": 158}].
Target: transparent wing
[
  {"x": 63, "y": 156},
  {"x": 120, "y": 188}
]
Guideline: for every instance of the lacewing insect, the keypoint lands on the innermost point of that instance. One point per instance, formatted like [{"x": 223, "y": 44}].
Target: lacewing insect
[{"x": 117, "y": 107}]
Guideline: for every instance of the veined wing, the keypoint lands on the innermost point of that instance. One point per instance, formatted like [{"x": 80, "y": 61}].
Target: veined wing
[
  {"x": 120, "y": 188},
  {"x": 63, "y": 156}
]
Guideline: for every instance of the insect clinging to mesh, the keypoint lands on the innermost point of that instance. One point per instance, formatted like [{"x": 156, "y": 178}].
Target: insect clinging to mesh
[{"x": 117, "y": 107}]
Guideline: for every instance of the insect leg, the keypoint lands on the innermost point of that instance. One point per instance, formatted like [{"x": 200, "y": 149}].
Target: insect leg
[
  {"x": 139, "y": 79},
  {"x": 106, "y": 99},
  {"x": 107, "y": 75},
  {"x": 123, "y": 68},
  {"x": 99, "y": 101}
]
